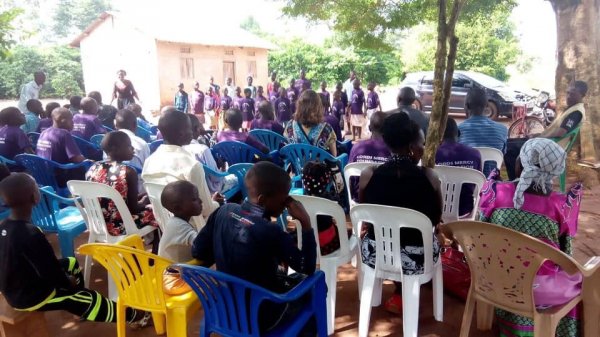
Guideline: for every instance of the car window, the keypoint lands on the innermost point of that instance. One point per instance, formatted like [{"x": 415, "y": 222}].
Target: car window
[
  {"x": 427, "y": 80},
  {"x": 459, "y": 82}
]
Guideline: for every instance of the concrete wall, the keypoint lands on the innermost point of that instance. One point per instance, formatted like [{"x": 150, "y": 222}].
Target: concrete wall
[
  {"x": 117, "y": 45},
  {"x": 208, "y": 61}
]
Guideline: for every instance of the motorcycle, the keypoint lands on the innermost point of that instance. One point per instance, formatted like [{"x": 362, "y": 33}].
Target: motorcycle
[{"x": 544, "y": 108}]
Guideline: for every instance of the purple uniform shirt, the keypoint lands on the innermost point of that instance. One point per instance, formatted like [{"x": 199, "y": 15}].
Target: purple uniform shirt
[
  {"x": 209, "y": 103},
  {"x": 247, "y": 107},
  {"x": 197, "y": 102},
  {"x": 85, "y": 126},
  {"x": 357, "y": 101},
  {"x": 273, "y": 96},
  {"x": 325, "y": 101},
  {"x": 57, "y": 145},
  {"x": 283, "y": 109},
  {"x": 300, "y": 83},
  {"x": 267, "y": 125},
  {"x": 237, "y": 102},
  {"x": 226, "y": 103},
  {"x": 337, "y": 109},
  {"x": 292, "y": 95},
  {"x": 13, "y": 141},
  {"x": 231, "y": 135},
  {"x": 44, "y": 124},
  {"x": 371, "y": 150},
  {"x": 372, "y": 100},
  {"x": 335, "y": 125}
]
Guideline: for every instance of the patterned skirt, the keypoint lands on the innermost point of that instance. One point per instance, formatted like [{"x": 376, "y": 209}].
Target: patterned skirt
[{"x": 512, "y": 325}]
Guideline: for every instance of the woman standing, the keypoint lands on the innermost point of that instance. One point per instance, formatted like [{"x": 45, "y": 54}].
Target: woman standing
[{"x": 123, "y": 90}]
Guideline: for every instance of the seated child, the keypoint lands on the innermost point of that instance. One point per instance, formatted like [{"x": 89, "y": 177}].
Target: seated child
[
  {"x": 123, "y": 178},
  {"x": 31, "y": 277},
  {"x": 87, "y": 124},
  {"x": 32, "y": 116},
  {"x": 141, "y": 120},
  {"x": 233, "y": 120},
  {"x": 182, "y": 199},
  {"x": 13, "y": 140},
  {"x": 266, "y": 119},
  {"x": 46, "y": 118}
]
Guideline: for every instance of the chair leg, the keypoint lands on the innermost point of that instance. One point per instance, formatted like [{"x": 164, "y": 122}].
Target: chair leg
[
  {"x": 438, "y": 294},
  {"x": 591, "y": 315},
  {"x": 485, "y": 316},
  {"x": 121, "y": 319},
  {"x": 543, "y": 326},
  {"x": 411, "y": 291},
  {"x": 330, "y": 270},
  {"x": 177, "y": 322},
  {"x": 563, "y": 181},
  {"x": 377, "y": 292},
  {"x": 159, "y": 320},
  {"x": 366, "y": 295},
  {"x": 467, "y": 315},
  {"x": 87, "y": 271}
]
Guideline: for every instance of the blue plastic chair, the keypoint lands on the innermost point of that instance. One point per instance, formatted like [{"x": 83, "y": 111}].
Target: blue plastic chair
[
  {"x": 88, "y": 149},
  {"x": 154, "y": 129},
  {"x": 240, "y": 171},
  {"x": 297, "y": 155},
  {"x": 345, "y": 146},
  {"x": 97, "y": 140},
  {"x": 51, "y": 218},
  {"x": 11, "y": 164},
  {"x": 272, "y": 140},
  {"x": 155, "y": 144},
  {"x": 44, "y": 170},
  {"x": 221, "y": 175},
  {"x": 144, "y": 134},
  {"x": 231, "y": 304},
  {"x": 33, "y": 139},
  {"x": 234, "y": 152}
]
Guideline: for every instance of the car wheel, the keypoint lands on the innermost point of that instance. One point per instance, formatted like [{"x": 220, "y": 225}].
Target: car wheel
[
  {"x": 491, "y": 110},
  {"x": 418, "y": 105}
]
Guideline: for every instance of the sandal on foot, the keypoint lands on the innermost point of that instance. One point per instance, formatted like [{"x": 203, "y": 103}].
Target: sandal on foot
[
  {"x": 394, "y": 304},
  {"x": 144, "y": 320}
]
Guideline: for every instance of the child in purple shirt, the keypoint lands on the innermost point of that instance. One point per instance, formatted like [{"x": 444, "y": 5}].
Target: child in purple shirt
[
  {"x": 266, "y": 119},
  {"x": 237, "y": 100},
  {"x": 46, "y": 118},
  {"x": 337, "y": 108},
  {"x": 87, "y": 124},
  {"x": 357, "y": 114},
  {"x": 292, "y": 95},
  {"x": 260, "y": 97},
  {"x": 247, "y": 108},
  {"x": 234, "y": 120},
  {"x": 283, "y": 107},
  {"x": 13, "y": 140},
  {"x": 325, "y": 100},
  {"x": 274, "y": 94}
]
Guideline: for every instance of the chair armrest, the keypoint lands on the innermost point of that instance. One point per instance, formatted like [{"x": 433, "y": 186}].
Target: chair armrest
[
  {"x": 85, "y": 164},
  {"x": 194, "y": 262},
  {"x": 591, "y": 266},
  {"x": 343, "y": 159},
  {"x": 212, "y": 172},
  {"x": 298, "y": 291}
]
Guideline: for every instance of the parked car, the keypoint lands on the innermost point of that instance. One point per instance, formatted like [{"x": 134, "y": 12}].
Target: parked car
[
  {"x": 500, "y": 96},
  {"x": 413, "y": 80}
]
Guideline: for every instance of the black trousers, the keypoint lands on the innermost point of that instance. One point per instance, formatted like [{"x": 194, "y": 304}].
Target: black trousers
[{"x": 513, "y": 149}]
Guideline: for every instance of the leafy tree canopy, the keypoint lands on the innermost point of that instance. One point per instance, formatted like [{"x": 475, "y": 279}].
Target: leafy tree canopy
[
  {"x": 7, "y": 29},
  {"x": 72, "y": 16}
]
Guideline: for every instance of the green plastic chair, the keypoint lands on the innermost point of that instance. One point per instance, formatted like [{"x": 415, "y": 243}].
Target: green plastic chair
[{"x": 572, "y": 137}]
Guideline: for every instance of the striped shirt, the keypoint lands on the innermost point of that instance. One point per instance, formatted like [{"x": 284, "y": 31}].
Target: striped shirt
[{"x": 480, "y": 131}]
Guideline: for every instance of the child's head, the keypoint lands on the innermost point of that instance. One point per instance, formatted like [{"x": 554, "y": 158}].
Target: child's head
[
  {"x": 19, "y": 191},
  {"x": 175, "y": 126},
  {"x": 182, "y": 199},
  {"x": 249, "y": 79},
  {"x": 225, "y": 92},
  {"x": 323, "y": 85},
  {"x": 268, "y": 186},
  {"x": 247, "y": 92},
  {"x": 117, "y": 145},
  {"x": 96, "y": 96},
  {"x": 356, "y": 83},
  {"x": 35, "y": 106},
  {"x": 126, "y": 119},
  {"x": 371, "y": 86},
  {"x": 338, "y": 86},
  {"x": 210, "y": 90},
  {"x": 137, "y": 109},
  {"x": 89, "y": 106},
  {"x": 282, "y": 92},
  {"x": 259, "y": 90},
  {"x": 276, "y": 86},
  {"x": 197, "y": 127},
  {"x": 75, "y": 102},
  {"x": 233, "y": 118},
  {"x": 49, "y": 108},
  {"x": 265, "y": 109},
  {"x": 229, "y": 80},
  {"x": 11, "y": 116},
  {"x": 180, "y": 86},
  {"x": 238, "y": 91},
  {"x": 337, "y": 95},
  {"x": 196, "y": 85},
  {"x": 62, "y": 118}
]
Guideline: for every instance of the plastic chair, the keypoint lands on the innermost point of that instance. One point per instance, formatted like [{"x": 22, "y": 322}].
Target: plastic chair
[
  {"x": 33, "y": 138},
  {"x": 387, "y": 222},
  {"x": 97, "y": 140},
  {"x": 591, "y": 297},
  {"x": 161, "y": 214},
  {"x": 354, "y": 170},
  {"x": 503, "y": 265},
  {"x": 88, "y": 149},
  {"x": 329, "y": 263},
  {"x": 153, "y": 129},
  {"x": 234, "y": 152},
  {"x": 67, "y": 222},
  {"x": 490, "y": 154},
  {"x": 155, "y": 144},
  {"x": 240, "y": 171},
  {"x": 11, "y": 164},
  {"x": 89, "y": 205},
  {"x": 221, "y": 175},
  {"x": 144, "y": 134},
  {"x": 452, "y": 179},
  {"x": 272, "y": 140},
  {"x": 231, "y": 304},
  {"x": 345, "y": 146},
  {"x": 138, "y": 275},
  {"x": 44, "y": 170},
  {"x": 567, "y": 141}
]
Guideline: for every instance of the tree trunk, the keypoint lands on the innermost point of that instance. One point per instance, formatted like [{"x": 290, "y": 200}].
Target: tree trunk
[{"x": 578, "y": 46}]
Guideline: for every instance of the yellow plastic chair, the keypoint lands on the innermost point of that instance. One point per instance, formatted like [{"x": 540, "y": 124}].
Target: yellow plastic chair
[
  {"x": 138, "y": 278},
  {"x": 503, "y": 265}
]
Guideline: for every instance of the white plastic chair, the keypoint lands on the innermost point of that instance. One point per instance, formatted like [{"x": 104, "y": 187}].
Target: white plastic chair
[
  {"x": 329, "y": 263},
  {"x": 490, "y": 154},
  {"x": 452, "y": 179},
  {"x": 387, "y": 222},
  {"x": 354, "y": 170},
  {"x": 89, "y": 192},
  {"x": 161, "y": 214}
]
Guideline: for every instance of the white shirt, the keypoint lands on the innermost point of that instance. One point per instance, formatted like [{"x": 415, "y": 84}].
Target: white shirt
[
  {"x": 171, "y": 163},
  {"x": 141, "y": 150},
  {"x": 348, "y": 87},
  {"x": 205, "y": 157},
  {"x": 29, "y": 91},
  {"x": 177, "y": 239}
]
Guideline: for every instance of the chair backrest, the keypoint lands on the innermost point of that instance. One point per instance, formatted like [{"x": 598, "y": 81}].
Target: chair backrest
[
  {"x": 97, "y": 140},
  {"x": 234, "y": 152},
  {"x": 452, "y": 178},
  {"x": 299, "y": 154},
  {"x": 568, "y": 140},
  {"x": 387, "y": 221},
  {"x": 155, "y": 144},
  {"x": 90, "y": 192},
  {"x": 271, "y": 139},
  {"x": 144, "y": 134},
  {"x": 490, "y": 154},
  {"x": 504, "y": 262},
  {"x": 7, "y": 161},
  {"x": 43, "y": 214},
  {"x": 88, "y": 149},
  {"x": 137, "y": 274},
  {"x": 40, "y": 168},
  {"x": 161, "y": 214},
  {"x": 319, "y": 206},
  {"x": 240, "y": 170},
  {"x": 33, "y": 138},
  {"x": 354, "y": 170}
]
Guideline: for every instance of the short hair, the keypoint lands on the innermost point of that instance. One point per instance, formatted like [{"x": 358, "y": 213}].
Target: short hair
[
  {"x": 233, "y": 118},
  {"x": 476, "y": 100},
  {"x": 399, "y": 131},
  {"x": 50, "y": 107},
  {"x": 88, "y": 104},
  {"x": 125, "y": 119},
  {"x": 376, "y": 121},
  {"x": 247, "y": 91},
  {"x": 265, "y": 109},
  {"x": 136, "y": 108},
  {"x": 581, "y": 86},
  {"x": 406, "y": 96},
  {"x": 451, "y": 131},
  {"x": 11, "y": 116},
  {"x": 30, "y": 104},
  {"x": 17, "y": 188},
  {"x": 175, "y": 193},
  {"x": 171, "y": 123},
  {"x": 309, "y": 110},
  {"x": 122, "y": 71},
  {"x": 114, "y": 140},
  {"x": 267, "y": 178},
  {"x": 96, "y": 95},
  {"x": 75, "y": 102}
]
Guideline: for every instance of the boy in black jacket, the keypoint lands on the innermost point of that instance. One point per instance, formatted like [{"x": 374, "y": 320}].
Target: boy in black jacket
[{"x": 31, "y": 277}]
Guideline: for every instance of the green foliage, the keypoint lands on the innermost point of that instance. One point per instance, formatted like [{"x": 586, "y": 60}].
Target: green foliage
[
  {"x": 7, "y": 29},
  {"x": 61, "y": 64},
  {"x": 72, "y": 16},
  {"x": 332, "y": 64},
  {"x": 250, "y": 24}
]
